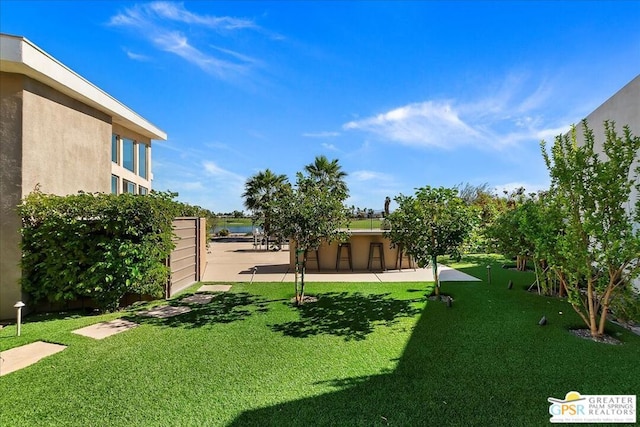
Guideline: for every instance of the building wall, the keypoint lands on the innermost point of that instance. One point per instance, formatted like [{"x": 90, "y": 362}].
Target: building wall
[
  {"x": 66, "y": 144},
  {"x": 624, "y": 109},
  {"x": 51, "y": 140},
  {"x": 360, "y": 241},
  {"x": 10, "y": 190}
]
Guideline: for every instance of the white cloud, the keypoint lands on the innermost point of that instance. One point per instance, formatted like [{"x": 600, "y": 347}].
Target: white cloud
[
  {"x": 366, "y": 175},
  {"x": 321, "y": 134},
  {"x": 202, "y": 183},
  {"x": 428, "y": 123},
  {"x": 329, "y": 147},
  {"x": 177, "y": 12},
  {"x": 136, "y": 56},
  {"x": 212, "y": 169},
  {"x": 515, "y": 112},
  {"x": 164, "y": 25},
  {"x": 549, "y": 135}
]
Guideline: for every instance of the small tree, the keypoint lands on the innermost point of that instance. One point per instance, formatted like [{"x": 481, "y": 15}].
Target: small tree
[
  {"x": 506, "y": 232},
  {"x": 309, "y": 214},
  {"x": 599, "y": 250},
  {"x": 432, "y": 223}
]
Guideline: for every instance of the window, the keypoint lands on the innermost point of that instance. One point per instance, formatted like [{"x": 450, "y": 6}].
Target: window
[
  {"x": 128, "y": 187},
  {"x": 114, "y": 148},
  {"x": 128, "y": 152},
  {"x": 142, "y": 160},
  {"x": 114, "y": 184},
  {"x": 142, "y": 190}
]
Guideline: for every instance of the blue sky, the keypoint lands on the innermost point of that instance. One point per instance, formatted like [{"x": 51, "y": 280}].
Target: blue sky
[{"x": 404, "y": 94}]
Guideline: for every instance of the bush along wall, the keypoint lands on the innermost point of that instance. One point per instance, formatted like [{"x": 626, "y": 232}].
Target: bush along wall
[{"x": 99, "y": 246}]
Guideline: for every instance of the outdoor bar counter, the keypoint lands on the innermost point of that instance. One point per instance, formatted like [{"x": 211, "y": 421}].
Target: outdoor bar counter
[{"x": 368, "y": 249}]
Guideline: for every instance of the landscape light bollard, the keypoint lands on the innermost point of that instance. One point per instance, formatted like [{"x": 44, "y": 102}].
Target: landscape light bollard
[
  {"x": 19, "y": 306},
  {"x": 489, "y": 274}
]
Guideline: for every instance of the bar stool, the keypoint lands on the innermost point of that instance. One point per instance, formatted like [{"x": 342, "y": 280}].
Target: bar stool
[
  {"x": 339, "y": 258},
  {"x": 372, "y": 247},
  {"x": 316, "y": 259},
  {"x": 402, "y": 256}
]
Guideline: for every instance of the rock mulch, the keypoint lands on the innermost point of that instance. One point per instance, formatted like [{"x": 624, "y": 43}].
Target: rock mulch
[{"x": 586, "y": 334}]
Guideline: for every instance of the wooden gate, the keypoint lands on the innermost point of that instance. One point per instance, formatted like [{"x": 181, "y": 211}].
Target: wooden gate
[{"x": 188, "y": 259}]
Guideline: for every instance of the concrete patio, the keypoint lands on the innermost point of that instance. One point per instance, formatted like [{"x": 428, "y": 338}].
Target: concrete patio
[{"x": 235, "y": 260}]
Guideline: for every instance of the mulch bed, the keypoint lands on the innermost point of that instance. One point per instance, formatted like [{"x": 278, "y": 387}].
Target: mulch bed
[
  {"x": 305, "y": 300},
  {"x": 586, "y": 334}
]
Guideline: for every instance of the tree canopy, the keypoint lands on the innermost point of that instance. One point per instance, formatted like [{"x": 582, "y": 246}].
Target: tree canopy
[
  {"x": 432, "y": 223},
  {"x": 598, "y": 248},
  {"x": 329, "y": 174},
  {"x": 259, "y": 192},
  {"x": 310, "y": 214}
]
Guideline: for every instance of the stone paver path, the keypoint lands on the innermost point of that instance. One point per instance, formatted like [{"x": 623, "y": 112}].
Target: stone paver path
[
  {"x": 214, "y": 288},
  {"x": 197, "y": 299},
  {"x": 165, "y": 311},
  {"x": 23, "y": 356},
  {"x": 105, "y": 329}
]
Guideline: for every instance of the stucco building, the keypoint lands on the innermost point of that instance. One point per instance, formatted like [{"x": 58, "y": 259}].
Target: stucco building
[{"x": 59, "y": 131}]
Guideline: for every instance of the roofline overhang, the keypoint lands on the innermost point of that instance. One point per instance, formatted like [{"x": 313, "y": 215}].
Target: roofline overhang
[{"x": 18, "y": 55}]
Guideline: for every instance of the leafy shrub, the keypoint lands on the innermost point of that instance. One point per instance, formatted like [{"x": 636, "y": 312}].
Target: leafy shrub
[
  {"x": 223, "y": 233},
  {"x": 626, "y": 306},
  {"x": 100, "y": 246}
]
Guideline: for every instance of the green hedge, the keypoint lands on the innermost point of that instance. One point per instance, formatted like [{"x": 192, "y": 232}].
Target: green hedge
[{"x": 100, "y": 246}]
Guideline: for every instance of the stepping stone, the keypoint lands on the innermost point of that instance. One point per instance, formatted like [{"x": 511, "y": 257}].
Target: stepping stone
[
  {"x": 214, "y": 288},
  {"x": 23, "y": 356},
  {"x": 197, "y": 299},
  {"x": 105, "y": 329},
  {"x": 165, "y": 311}
]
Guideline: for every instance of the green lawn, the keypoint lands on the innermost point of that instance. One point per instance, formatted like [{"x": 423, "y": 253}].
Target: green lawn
[
  {"x": 365, "y": 224},
  {"x": 364, "y": 354}
]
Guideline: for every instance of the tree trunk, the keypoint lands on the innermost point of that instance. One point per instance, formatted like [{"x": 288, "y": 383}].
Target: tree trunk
[
  {"x": 304, "y": 268},
  {"x": 434, "y": 266},
  {"x": 605, "y": 308},
  {"x": 521, "y": 262},
  {"x": 297, "y": 255},
  {"x": 593, "y": 326}
]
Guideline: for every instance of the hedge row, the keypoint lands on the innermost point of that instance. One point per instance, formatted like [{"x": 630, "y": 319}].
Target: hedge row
[{"x": 100, "y": 246}]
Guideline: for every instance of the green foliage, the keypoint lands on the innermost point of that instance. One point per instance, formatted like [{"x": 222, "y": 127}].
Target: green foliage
[
  {"x": 432, "y": 223},
  {"x": 506, "y": 232},
  {"x": 311, "y": 213},
  {"x": 626, "y": 306},
  {"x": 97, "y": 245},
  {"x": 259, "y": 192},
  {"x": 597, "y": 253}
]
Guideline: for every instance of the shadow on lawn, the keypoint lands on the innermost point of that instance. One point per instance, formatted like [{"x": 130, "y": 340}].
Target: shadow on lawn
[
  {"x": 349, "y": 315},
  {"x": 402, "y": 396},
  {"x": 224, "y": 307}
]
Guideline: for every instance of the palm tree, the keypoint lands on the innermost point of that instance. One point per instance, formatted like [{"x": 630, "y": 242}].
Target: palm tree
[
  {"x": 259, "y": 191},
  {"x": 327, "y": 173}
]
